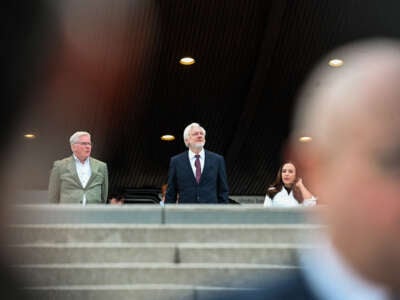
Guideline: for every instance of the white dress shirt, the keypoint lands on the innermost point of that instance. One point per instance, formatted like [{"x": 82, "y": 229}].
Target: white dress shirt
[
  {"x": 285, "y": 199},
  {"x": 192, "y": 160},
  {"x": 330, "y": 278},
  {"x": 84, "y": 172}
]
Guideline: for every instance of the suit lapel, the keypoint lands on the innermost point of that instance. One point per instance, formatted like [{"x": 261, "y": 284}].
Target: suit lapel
[
  {"x": 72, "y": 169},
  {"x": 189, "y": 167},
  {"x": 94, "y": 167},
  {"x": 207, "y": 163}
]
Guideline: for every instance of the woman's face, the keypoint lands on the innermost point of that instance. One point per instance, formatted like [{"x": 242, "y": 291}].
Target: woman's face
[{"x": 288, "y": 174}]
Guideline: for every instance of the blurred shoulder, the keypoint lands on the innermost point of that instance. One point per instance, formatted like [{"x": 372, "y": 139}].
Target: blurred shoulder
[{"x": 293, "y": 287}]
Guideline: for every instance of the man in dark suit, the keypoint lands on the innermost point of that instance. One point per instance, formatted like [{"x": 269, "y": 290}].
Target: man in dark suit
[
  {"x": 353, "y": 165},
  {"x": 197, "y": 175}
]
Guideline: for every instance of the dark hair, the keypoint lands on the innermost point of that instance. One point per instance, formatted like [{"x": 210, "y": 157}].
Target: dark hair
[
  {"x": 119, "y": 197},
  {"x": 277, "y": 185}
]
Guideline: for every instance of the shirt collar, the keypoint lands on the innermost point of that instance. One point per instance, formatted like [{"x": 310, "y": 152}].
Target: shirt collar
[
  {"x": 77, "y": 159},
  {"x": 288, "y": 190},
  {"x": 192, "y": 154},
  {"x": 332, "y": 278}
]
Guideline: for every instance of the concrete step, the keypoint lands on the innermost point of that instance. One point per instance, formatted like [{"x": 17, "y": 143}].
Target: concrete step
[
  {"x": 209, "y": 274},
  {"x": 42, "y": 253},
  {"x": 149, "y": 252},
  {"x": 155, "y": 214},
  {"x": 283, "y": 254},
  {"x": 131, "y": 292},
  {"x": 276, "y": 254},
  {"x": 143, "y": 233}
]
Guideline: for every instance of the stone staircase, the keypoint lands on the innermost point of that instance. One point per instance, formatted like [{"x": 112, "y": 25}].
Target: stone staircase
[{"x": 185, "y": 252}]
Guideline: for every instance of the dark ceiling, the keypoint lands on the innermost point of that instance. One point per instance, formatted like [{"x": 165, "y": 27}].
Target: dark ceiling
[{"x": 111, "y": 68}]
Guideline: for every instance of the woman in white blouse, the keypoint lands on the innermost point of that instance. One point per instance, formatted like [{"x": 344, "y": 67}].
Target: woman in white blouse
[{"x": 288, "y": 190}]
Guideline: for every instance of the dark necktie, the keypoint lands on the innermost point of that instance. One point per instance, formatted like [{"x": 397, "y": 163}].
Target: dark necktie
[{"x": 198, "y": 167}]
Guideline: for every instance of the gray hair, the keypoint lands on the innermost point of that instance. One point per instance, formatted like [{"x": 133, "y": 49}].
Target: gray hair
[
  {"x": 75, "y": 137},
  {"x": 187, "y": 131}
]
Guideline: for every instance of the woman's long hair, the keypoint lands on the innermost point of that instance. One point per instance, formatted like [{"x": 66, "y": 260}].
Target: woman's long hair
[{"x": 277, "y": 185}]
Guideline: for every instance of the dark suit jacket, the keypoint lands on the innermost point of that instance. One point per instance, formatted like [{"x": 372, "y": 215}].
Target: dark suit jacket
[
  {"x": 213, "y": 185},
  {"x": 291, "y": 287}
]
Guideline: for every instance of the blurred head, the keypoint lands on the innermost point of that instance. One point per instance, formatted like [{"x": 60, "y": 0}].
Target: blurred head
[
  {"x": 117, "y": 199},
  {"x": 114, "y": 200},
  {"x": 121, "y": 199},
  {"x": 194, "y": 137},
  {"x": 81, "y": 145},
  {"x": 353, "y": 162}
]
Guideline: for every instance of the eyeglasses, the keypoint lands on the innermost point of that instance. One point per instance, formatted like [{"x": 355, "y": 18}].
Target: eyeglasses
[{"x": 84, "y": 143}]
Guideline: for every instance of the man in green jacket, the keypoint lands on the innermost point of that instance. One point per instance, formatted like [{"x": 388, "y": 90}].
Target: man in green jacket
[{"x": 79, "y": 178}]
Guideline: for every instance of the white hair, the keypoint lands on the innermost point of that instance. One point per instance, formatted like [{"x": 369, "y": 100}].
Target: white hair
[
  {"x": 75, "y": 137},
  {"x": 187, "y": 131}
]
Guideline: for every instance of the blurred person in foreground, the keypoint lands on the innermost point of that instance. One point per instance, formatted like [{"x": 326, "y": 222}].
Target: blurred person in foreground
[
  {"x": 353, "y": 164},
  {"x": 288, "y": 189},
  {"x": 79, "y": 178},
  {"x": 197, "y": 175}
]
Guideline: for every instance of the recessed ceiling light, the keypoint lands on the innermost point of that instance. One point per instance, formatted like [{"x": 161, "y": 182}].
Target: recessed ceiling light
[
  {"x": 167, "y": 137},
  {"x": 305, "y": 139},
  {"x": 336, "y": 63},
  {"x": 187, "y": 61},
  {"x": 29, "y": 136}
]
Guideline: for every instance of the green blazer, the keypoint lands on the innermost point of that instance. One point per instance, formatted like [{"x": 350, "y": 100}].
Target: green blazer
[{"x": 65, "y": 186}]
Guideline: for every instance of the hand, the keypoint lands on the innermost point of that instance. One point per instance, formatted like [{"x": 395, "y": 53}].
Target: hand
[{"x": 299, "y": 182}]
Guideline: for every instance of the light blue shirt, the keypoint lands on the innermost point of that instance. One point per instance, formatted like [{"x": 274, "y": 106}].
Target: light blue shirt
[
  {"x": 84, "y": 172},
  {"x": 331, "y": 278}
]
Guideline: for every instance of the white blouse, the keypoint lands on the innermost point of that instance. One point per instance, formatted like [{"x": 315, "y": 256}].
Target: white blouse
[{"x": 285, "y": 199}]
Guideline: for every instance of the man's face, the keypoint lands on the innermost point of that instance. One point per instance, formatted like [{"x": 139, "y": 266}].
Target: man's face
[
  {"x": 82, "y": 147},
  {"x": 361, "y": 184},
  {"x": 353, "y": 164},
  {"x": 196, "y": 138}
]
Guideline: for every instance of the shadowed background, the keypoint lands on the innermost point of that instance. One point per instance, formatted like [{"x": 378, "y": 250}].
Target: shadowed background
[{"x": 111, "y": 68}]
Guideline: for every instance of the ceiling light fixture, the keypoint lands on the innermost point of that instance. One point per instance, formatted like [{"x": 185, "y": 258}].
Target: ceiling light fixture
[
  {"x": 29, "y": 136},
  {"x": 187, "y": 61},
  {"x": 336, "y": 63},
  {"x": 167, "y": 137},
  {"x": 305, "y": 139}
]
